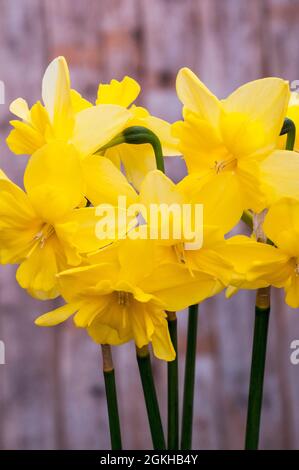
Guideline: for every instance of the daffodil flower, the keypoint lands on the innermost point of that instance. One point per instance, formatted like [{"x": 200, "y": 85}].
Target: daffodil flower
[
  {"x": 42, "y": 229},
  {"x": 120, "y": 299},
  {"x": 158, "y": 189},
  {"x": 259, "y": 265},
  {"x": 249, "y": 258},
  {"x": 281, "y": 225},
  {"x": 237, "y": 135},
  {"x": 137, "y": 160},
  {"x": 65, "y": 115},
  {"x": 239, "y": 261}
]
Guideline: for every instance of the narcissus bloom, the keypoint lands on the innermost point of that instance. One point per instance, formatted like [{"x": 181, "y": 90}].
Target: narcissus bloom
[
  {"x": 65, "y": 115},
  {"x": 42, "y": 229},
  {"x": 121, "y": 299},
  {"x": 259, "y": 264},
  {"x": 238, "y": 135},
  {"x": 158, "y": 189},
  {"x": 281, "y": 225},
  {"x": 137, "y": 160}
]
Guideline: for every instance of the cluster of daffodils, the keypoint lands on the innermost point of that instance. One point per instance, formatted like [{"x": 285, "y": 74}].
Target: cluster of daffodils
[{"x": 120, "y": 288}]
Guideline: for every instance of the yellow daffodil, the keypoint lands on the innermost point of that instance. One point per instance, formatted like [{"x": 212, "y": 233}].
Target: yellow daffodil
[
  {"x": 121, "y": 299},
  {"x": 237, "y": 135},
  {"x": 65, "y": 115},
  {"x": 281, "y": 225},
  {"x": 42, "y": 229},
  {"x": 138, "y": 160},
  {"x": 259, "y": 265},
  {"x": 160, "y": 190},
  {"x": 249, "y": 258}
]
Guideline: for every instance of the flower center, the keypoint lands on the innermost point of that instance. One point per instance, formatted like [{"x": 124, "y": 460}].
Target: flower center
[
  {"x": 229, "y": 164},
  {"x": 180, "y": 252},
  {"x": 297, "y": 268},
  {"x": 124, "y": 298},
  {"x": 45, "y": 233}
]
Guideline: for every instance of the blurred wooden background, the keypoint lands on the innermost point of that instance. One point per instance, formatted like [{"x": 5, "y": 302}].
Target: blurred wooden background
[{"x": 51, "y": 389}]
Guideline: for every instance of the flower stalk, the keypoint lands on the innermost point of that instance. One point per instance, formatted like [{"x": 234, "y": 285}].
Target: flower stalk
[
  {"x": 150, "y": 396},
  {"x": 262, "y": 312},
  {"x": 260, "y": 335},
  {"x": 289, "y": 128},
  {"x": 111, "y": 396},
  {"x": 173, "y": 387},
  {"x": 187, "y": 420},
  {"x": 138, "y": 135}
]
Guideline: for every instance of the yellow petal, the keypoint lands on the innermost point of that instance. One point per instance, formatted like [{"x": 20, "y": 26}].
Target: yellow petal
[
  {"x": 20, "y": 108},
  {"x": 174, "y": 286},
  {"x": 24, "y": 139},
  {"x": 18, "y": 222},
  {"x": 38, "y": 272},
  {"x": 57, "y": 316},
  {"x": 112, "y": 325},
  {"x": 145, "y": 250},
  {"x": 54, "y": 192},
  {"x": 83, "y": 233},
  {"x": 161, "y": 341},
  {"x": 74, "y": 281},
  {"x": 105, "y": 183},
  {"x": 197, "y": 97},
  {"x": 210, "y": 262},
  {"x": 122, "y": 93},
  {"x": 250, "y": 183},
  {"x": 96, "y": 126},
  {"x": 292, "y": 292},
  {"x": 255, "y": 264},
  {"x": 114, "y": 155},
  {"x": 57, "y": 98},
  {"x": 78, "y": 102},
  {"x": 264, "y": 101},
  {"x": 166, "y": 218},
  {"x": 142, "y": 324},
  {"x": 282, "y": 225},
  {"x": 280, "y": 175},
  {"x": 199, "y": 142},
  {"x": 89, "y": 309},
  {"x": 292, "y": 113},
  {"x": 157, "y": 188},
  {"x": 220, "y": 196},
  {"x": 137, "y": 160}
]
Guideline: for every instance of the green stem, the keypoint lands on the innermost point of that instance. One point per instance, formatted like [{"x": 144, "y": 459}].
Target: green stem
[
  {"x": 187, "y": 421},
  {"x": 260, "y": 335},
  {"x": 247, "y": 219},
  {"x": 262, "y": 312},
  {"x": 111, "y": 396},
  {"x": 173, "y": 387},
  {"x": 138, "y": 135},
  {"x": 150, "y": 396},
  {"x": 289, "y": 128}
]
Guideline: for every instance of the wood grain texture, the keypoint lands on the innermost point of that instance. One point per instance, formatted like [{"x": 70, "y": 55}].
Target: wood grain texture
[{"x": 51, "y": 389}]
